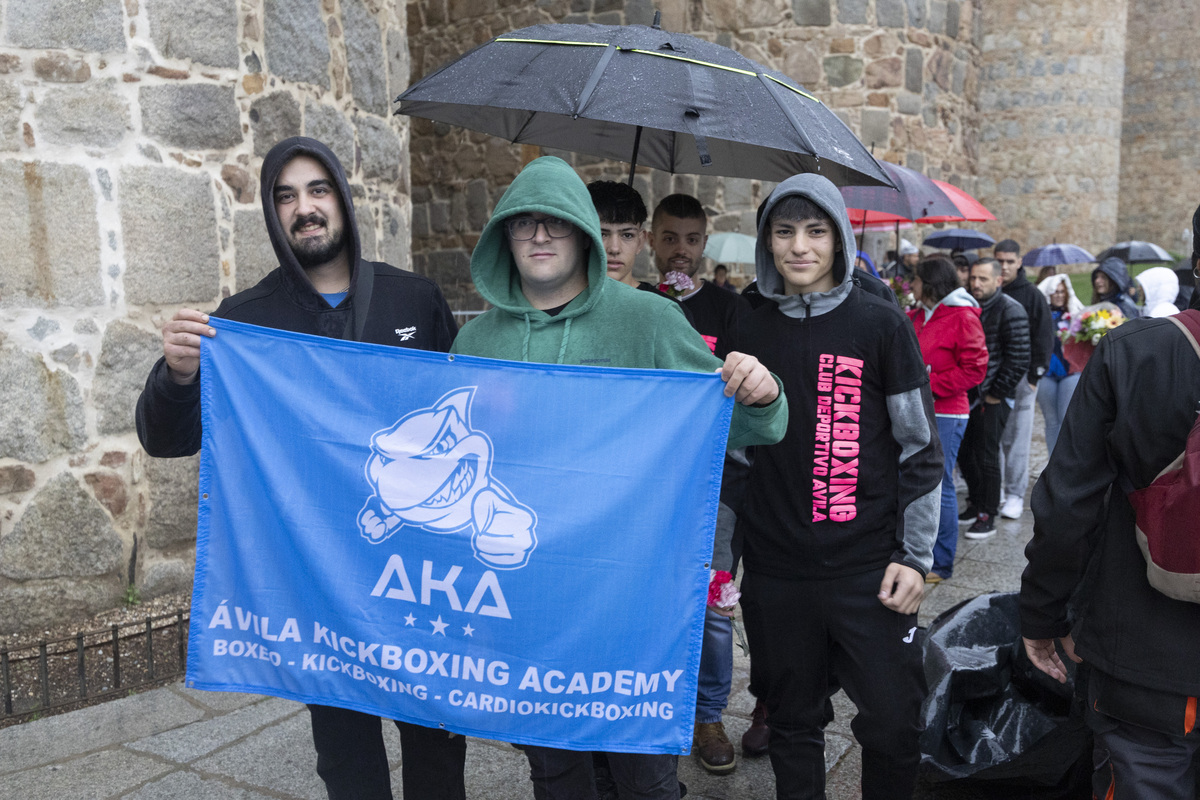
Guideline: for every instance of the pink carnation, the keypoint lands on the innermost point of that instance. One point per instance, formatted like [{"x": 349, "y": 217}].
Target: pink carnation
[{"x": 722, "y": 593}]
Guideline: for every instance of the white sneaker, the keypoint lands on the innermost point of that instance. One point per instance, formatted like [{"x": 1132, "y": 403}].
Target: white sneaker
[{"x": 1012, "y": 507}]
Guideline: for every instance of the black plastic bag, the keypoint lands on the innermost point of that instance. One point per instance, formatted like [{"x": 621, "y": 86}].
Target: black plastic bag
[{"x": 991, "y": 716}]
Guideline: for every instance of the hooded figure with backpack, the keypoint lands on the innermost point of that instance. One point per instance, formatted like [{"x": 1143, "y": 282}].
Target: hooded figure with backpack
[{"x": 1087, "y": 585}]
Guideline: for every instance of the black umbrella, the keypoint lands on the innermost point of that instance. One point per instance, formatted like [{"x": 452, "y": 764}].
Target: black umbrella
[
  {"x": 914, "y": 197},
  {"x": 644, "y": 95},
  {"x": 1135, "y": 252}
]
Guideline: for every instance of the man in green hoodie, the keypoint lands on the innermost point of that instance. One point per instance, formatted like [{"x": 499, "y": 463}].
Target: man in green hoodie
[{"x": 540, "y": 262}]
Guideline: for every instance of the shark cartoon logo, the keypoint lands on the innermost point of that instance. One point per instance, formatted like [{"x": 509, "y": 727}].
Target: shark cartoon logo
[{"x": 431, "y": 470}]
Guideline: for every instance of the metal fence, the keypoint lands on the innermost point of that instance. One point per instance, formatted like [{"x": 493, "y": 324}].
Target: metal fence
[{"x": 90, "y": 666}]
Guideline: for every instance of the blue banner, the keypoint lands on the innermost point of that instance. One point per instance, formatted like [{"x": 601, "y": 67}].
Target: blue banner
[{"x": 511, "y": 551}]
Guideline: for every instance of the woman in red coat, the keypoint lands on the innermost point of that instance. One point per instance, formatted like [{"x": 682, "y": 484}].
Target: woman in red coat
[{"x": 953, "y": 346}]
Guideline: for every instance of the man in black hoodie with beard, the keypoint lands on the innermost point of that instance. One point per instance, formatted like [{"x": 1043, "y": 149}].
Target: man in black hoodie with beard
[{"x": 322, "y": 287}]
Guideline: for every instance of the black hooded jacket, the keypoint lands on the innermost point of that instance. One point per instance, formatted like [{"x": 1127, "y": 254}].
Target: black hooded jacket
[
  {"x": 1130, "y": 416},
  {"x": 1041, "y": 328},
  {"x": 384, "y": 305},
  {"x": 1118, "y": 273}
]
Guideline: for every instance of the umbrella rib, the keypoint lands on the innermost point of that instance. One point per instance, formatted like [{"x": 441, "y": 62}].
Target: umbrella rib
[
  {"x": 787, "y": 112},
  {"x": 594, "y": 79}
]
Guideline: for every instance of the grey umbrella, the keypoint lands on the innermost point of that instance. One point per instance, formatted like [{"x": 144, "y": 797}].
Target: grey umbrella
[
  {"x": 1136, "y": 252},
  {"x": 644, "y": 95}
]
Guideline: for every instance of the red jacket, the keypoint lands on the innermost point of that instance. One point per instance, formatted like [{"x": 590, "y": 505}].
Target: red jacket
[{"x": 955, "y": 350}]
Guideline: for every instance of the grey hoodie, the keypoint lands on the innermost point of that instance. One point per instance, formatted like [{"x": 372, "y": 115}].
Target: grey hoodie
[{"x": 826, "y": 196}]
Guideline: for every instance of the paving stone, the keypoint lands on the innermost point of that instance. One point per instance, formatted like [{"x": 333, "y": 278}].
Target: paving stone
[
  {"x": 255, "y": 253},
  {"x": 98, "y": 775},
  {"x": 381, "y": 149},
  {"x": 273, "y": 118},
  {"x": 63, "y": 532},
  {"x": 364, "y": 58},
  {"x": 96, "y": 25},
  {"x": 327, "y": 125},
  {"x": 206, "y": 33},
  {"x": 43, "y": 409},
  {"x": 184, "y": 785},
  {"x": 170, "y": 228},
  {"x": 192, "y": 116},
  {"x": 45, "y": 741},
  {"x": 126, "y": 355},
  {"x": 297, "y": 46},
  {"x": 272, "y": 761},
  {"x": 50, "y": 238},
  {"x": 174, "y": 493},
  {"x": 188, "y": 743},
  {"x": 223, "y": 702},
  {"x": 984, "y": 577}
]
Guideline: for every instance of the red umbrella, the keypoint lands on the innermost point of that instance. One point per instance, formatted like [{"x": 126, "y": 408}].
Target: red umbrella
[{"x": 971, "y": 209}]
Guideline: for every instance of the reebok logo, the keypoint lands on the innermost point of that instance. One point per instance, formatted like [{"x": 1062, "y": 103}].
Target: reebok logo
[{"x": 406, "y": 333}]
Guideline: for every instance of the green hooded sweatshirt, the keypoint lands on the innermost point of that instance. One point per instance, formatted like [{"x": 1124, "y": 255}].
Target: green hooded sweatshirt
[{"x": 609, "y": 324}]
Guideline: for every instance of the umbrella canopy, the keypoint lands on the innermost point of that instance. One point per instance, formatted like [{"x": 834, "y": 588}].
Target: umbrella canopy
[
  {"x": 1051, "y": 255},
  {"x": 959, "y": 239},
  {"x": 730, "y": 248},
  {"x": 645, "y": 95},
  {"x": 914, "y": 197},
  {"x": 1135, "y": 252},
  {"x": 969, "y": 209}
]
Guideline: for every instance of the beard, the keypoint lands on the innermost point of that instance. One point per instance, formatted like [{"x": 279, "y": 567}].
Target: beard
[{"x": 314, "y": 251}]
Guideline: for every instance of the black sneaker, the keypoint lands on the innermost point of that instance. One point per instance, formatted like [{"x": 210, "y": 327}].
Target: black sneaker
[
  {"x": 984, "y": 527},
  {"x": 969, "y": 514}
]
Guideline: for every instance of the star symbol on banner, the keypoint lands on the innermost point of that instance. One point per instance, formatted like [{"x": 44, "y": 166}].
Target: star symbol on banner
[
  {"x": 468, "y": 630},
  {"x": 439, "y": 626},
  {"x": 410, "y": 620}
]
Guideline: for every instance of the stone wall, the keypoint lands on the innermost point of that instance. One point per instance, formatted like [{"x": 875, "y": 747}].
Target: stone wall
[
  {"x": 131, "y": 136},
  {"x": 1159, "y": 155},
  {"x": 900, "y": 73},
  {"x": 1050, "y": 105}
]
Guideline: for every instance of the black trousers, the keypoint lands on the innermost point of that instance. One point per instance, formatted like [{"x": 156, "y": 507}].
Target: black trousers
[
  {"x": 569, "y": 774},
  {"x": 806, "y": 638},
  {"x": 353, "y": 763},
  {"x": 979, "y": 455}
]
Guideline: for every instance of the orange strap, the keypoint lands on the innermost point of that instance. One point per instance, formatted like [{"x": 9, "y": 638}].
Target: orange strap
[{"x": 1189, "y": 716}]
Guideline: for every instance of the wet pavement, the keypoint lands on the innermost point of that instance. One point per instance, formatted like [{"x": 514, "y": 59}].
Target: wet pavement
[{"x": 175, "y": 742}]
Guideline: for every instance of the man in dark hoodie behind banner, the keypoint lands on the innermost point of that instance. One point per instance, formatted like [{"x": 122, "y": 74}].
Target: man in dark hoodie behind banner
[
  {"x": 322, "y": 287},
  {"x": 840, "y": 517}
]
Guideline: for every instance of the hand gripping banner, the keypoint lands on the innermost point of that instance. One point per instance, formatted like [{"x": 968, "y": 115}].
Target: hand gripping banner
[{"x": 511, "y": 551}]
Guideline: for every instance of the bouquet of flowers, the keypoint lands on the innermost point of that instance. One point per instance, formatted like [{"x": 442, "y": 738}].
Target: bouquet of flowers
[
  {"x": 676, "y": 284},
  {"x": 903, "y": 291},
  {"x": 1093, "y": 323},
  {"x": 721, "y": 591}
]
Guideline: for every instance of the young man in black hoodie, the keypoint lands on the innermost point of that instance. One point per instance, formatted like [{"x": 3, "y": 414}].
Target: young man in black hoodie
[
  {"x": 1018, "y": 432},
  {"x": 840, "y": 517},
  {"x": 324, "y": 287}
]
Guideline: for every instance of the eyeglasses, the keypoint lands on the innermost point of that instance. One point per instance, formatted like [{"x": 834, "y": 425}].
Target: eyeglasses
[{"x": 524, "y": 228}]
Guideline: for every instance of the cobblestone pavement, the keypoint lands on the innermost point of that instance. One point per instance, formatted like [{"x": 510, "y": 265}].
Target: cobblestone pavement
[{"x": 179, "y": 743}]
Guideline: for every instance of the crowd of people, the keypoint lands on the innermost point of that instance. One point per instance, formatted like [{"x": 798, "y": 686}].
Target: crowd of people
[{"x": 837, "y": 504}]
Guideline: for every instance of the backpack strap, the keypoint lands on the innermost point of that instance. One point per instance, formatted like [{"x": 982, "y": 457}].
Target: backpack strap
[{"x": 1189, "y": 323}]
